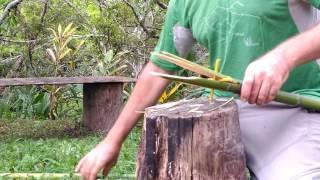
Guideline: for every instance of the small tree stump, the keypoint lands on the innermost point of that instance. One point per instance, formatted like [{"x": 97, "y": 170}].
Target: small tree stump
[
  {"x": 102, "y": 104},
  {"x": 191, "y": 140}
]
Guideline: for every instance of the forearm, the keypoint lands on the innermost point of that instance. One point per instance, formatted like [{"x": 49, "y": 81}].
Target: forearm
[
  {"x": 301, "y": 48},
  {"x": 146, "y": 93}
]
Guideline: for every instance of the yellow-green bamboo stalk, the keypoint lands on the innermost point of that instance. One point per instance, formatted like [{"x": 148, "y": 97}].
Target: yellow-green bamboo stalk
[
  {"x": 38, "y": 175},
  {"x": 53, "y": 176},
  {"x": 282, "y": 97}
]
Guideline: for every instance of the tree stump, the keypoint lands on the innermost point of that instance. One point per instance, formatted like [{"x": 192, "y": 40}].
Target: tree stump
[
  {"x": 102, "y": 104},
  {"x": 191, "y": 140}
]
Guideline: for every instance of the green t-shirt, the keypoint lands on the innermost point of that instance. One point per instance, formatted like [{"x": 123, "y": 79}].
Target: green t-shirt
[{"x": 238, "y": 32}]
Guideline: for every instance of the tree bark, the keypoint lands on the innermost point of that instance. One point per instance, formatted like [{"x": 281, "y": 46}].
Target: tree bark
[
  {"x": 13, "y": 4},
  {"x": 102, "y": 104},
  {"x": 191, "y": 140}
]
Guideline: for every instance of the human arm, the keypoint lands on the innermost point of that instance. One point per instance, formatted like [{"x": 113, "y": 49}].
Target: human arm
[
  {"x": 265, "y": 76},
  {"x": 146, "y": 93}
]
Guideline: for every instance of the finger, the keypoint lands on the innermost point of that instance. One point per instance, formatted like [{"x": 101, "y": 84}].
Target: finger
[
  {"x": 273, "y": 93},
  {"x": 92, "y": 176},
  {"x": 255, "y": 90},
  {"x": 86, "y": 169},
  {"x": 264, "y": 92},
  {"x": 93, "y": 173},
  {"x": 247, "y": 84},
  {"x": 78, "y": 167},
  {"x": 106, "y": 170},
  {"x": 108, "y": 167}
]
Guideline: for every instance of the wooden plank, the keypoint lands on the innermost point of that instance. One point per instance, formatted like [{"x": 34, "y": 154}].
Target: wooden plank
[{"x": 63, "y": 80}]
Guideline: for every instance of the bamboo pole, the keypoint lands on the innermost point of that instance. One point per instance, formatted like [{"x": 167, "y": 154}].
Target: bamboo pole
[
  {"x": 282, "y": 97},
  {"x": 55, "y": 176},
  {"x": 39, "y": 175}
]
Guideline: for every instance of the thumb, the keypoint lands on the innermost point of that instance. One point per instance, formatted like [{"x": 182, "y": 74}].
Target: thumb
[
  {"x": 108, "y": 167},
  {"x": 106, "y": 170}
]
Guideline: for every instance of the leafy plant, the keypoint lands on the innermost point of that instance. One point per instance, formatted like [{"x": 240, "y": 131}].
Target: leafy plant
[
  {"x": 25, "y": 102},
  {"x": 110, "y": 64},
  {"x": 37, "y": 39},
  {"x": 61, "y": 49}
]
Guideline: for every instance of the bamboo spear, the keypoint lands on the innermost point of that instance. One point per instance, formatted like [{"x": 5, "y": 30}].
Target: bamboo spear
[
  {"x": 282, "y": 97},
  {"x": 234, "y": 84},
  {"x": 54, "y": 176},
  {"x": 38, "y": 175}
]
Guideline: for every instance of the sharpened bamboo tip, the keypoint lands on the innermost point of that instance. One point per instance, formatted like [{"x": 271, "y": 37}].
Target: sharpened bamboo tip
[{"x": 155, "y": 74}]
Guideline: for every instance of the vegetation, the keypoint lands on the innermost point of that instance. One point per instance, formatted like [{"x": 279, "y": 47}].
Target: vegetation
[
  {"x": 40, "y": 38},
  {"x": 71, "y": 38},
  {"x": 66, "y": 38},
  {"x": 55, "y": 147}
]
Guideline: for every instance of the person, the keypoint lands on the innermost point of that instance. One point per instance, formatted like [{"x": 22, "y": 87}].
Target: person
[{"x": 259, "y": 42}]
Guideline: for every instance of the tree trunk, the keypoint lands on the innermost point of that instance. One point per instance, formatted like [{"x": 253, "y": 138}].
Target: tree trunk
[
  {"x": 102, "y": 104},
  {"x": 191, "y": 140}
]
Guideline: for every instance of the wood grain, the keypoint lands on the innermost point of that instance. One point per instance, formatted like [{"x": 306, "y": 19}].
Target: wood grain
[
  {"x": 192, "y": 140},
  {"x": 102, "y": 104},
  {"x": 63, "y": 80}
]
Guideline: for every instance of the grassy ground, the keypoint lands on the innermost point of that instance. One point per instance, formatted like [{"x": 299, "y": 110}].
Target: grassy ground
[{"x": 55, "y": 147}]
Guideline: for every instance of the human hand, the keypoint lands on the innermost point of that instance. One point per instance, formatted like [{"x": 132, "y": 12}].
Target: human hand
[
  {"x": 103, "y": 156},
  {"x": 264, "y": 78}
]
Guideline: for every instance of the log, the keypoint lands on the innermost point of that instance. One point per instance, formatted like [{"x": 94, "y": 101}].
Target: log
[
  {"x": 102, "y": 104},
  {"x": 191, "y": 140}
]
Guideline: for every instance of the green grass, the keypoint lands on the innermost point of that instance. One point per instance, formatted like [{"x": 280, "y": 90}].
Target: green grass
[{"x": 28, "y": 146}]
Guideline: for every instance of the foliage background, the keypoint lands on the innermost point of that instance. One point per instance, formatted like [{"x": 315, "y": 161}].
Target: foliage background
[
  {"x": 117, "y": 37},
  {"x": 112, "y": 37},
  {"x": 40, "y": 38}
]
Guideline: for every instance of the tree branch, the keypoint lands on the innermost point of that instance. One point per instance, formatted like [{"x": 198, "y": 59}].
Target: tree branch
[
  {"x": 161, "y": 4},
  {"x": 13, "y": 4},
  {"x": 137, "y": 16},
  {"x": 5, "y": 39},
  {"x": 44, "y": 11}
]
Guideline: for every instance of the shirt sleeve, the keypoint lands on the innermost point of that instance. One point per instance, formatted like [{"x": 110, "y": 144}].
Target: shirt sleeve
[
  {"x": 315, "y": 3},
  {"x": 166, "y": 41}
]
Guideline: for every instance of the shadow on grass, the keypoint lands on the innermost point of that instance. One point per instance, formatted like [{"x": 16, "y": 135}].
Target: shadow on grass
[{"x": 32, "y": 129}]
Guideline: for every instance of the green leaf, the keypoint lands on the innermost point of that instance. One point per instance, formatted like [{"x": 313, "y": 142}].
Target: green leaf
[
  {"x": 79, "y": 46},
  {"x": 64, "y": 53},
  {"x": 65, "y": 43},
  {"x": 109, "y": 57},
  {"x": 60, "y": 31},
  {"x": 118, "y": 69},
  {"x": 67, "y": 29},
  {"x": 56, "y": 37},
  {"x": 39, "y": 97},
  {"x": 101, "y": 68},
  {"x": 70, "y": 33}
]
